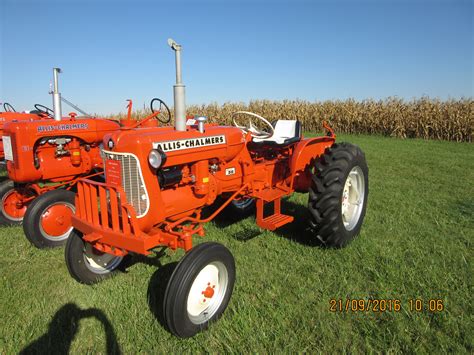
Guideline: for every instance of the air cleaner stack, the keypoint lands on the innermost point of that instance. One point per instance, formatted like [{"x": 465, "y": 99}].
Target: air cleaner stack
[{"x": 178, "y": 90}]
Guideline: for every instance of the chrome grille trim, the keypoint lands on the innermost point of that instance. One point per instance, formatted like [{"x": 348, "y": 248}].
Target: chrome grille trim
[{"x": 132, "y": 180}]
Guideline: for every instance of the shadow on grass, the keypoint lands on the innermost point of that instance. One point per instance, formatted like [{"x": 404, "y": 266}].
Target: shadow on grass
[
  {"x": 247, "y": 234},
  {"x": 297, "y": 231},
  {"x": 464, "y": 207},
  {"x": 229, "y": 216},
  {"x": 132, "y": 259},
  {"x": 64, "y": 327},
  {"x": 157, "y": 288}
]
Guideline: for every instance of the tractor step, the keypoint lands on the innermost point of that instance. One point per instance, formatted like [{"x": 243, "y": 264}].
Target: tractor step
[
  {"x": 269, "y": 195},
  {"x": 275, "y": 220}
]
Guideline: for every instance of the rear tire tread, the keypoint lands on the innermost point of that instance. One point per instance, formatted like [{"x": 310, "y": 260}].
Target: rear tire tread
[{"x": 325, "y": 193}]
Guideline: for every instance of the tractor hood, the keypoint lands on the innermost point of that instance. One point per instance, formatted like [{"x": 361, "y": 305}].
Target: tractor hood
[
  {"x": 88, "y": 129},
  {"x": 17, "y": 116},
  {"x": 180, "y": 147}
]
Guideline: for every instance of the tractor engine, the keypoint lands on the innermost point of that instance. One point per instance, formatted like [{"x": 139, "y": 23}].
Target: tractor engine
[{"x": 169, "y": 174}]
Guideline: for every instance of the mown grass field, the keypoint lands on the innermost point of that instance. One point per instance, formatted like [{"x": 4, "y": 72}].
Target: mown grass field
[{"x": 416, "y": 243}]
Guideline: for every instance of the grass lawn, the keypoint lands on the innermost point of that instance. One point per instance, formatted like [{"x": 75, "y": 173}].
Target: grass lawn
[{"x": 416, "y": 243}]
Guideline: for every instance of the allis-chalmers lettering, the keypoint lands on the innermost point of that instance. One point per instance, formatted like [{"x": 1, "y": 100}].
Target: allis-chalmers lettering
[
  {"x": 189, "y": 143},
  {"x": 63, "y": 127}
]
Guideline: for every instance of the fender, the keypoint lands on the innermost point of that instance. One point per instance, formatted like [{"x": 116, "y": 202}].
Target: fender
[{"x": 303, "y": 157}]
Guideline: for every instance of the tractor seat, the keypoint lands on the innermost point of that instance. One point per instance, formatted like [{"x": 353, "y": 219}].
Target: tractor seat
[{"x": 285, "y": 132}]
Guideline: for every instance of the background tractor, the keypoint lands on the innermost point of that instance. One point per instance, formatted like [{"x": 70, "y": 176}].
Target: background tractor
[
  {"x": 45, "y": 158},
  {"x": 9, "y": 114},
  {"x": 159, "y": 181}
]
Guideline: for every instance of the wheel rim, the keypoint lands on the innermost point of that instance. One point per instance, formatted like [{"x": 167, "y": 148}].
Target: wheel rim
[
  {"x": 12, "y": 206},
  {"x": 98, "y": 262},
  {"x": 55, "y": 221},
  {"x": 353, "y": 198},
  {"x": 207, "y": 292},
  {"x": 243, "y": 203}
]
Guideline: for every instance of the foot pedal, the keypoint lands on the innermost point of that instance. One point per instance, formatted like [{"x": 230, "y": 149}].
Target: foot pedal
[{"x": 274, "y": 221}]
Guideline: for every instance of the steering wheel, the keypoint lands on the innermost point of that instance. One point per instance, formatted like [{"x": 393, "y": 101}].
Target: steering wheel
[
  {"x": 8, "y": 108},
  {"x": 44, "y": 109},
  {"x": 162, "y": 116},
  {"x": 254, "y": 131}
]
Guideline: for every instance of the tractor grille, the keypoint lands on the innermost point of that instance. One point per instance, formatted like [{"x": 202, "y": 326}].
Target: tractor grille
[{"x": 132, "y": 181}]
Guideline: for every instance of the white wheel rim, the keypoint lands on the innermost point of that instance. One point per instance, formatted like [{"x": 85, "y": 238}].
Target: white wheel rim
[
  {"x": 207, "y": 292},
  {"x": 57, "y": 238},
  {"x": 100, "y": 263},
  {"x": 353, "y": 198}
]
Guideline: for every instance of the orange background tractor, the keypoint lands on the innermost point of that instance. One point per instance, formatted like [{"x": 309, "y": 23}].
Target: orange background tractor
[
  {"x": 9, "y": 114},
  {"x": 45, "y": 158}
]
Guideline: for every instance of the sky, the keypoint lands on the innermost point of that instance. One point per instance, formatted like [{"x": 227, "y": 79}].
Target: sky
[{"x": 238, "y": 51}]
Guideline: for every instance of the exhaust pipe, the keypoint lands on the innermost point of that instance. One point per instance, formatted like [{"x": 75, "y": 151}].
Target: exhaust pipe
[
  {"x": 178, "y": 90},
  {"x": 56, "y": 96}
]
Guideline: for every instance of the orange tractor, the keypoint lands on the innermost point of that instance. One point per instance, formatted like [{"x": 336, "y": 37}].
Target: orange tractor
[
  {"x": 158, "y": 182},
  {"x": 9, "y": 114},
  {"x": 45, "y": 159}
]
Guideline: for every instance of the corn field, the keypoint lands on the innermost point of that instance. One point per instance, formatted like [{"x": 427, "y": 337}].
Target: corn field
[{"x": 419, "y": 118}]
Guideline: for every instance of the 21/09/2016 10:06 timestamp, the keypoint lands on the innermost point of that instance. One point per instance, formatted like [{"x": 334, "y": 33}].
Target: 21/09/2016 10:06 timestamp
[{"x": 385, "y": 305}]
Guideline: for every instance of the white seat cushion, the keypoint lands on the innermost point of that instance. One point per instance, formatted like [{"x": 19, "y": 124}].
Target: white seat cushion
[{"x": 284, "y": 129}]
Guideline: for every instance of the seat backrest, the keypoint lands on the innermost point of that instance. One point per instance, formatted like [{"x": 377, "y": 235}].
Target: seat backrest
[
  {"x": 285, "y": 129},
  {"x": 285, "y": 132}
]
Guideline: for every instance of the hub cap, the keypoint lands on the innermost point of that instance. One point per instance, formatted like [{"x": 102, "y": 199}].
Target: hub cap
[
  {"x": 55, "y": 223},
  {"x": 207, "y": 292},
  {"x": 12, "y": 206},
  {"x": 353, "y": 198},
  {"x": 98, "y": 262}
]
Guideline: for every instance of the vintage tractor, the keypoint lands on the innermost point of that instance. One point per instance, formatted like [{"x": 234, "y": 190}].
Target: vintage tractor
[
  {"x": 159, "y": 181},
  {"x": 9, "y": 114},
  {"x": 44, "y": 161}
]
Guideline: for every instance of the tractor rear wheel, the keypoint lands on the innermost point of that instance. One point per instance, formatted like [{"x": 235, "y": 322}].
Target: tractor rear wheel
[
  {"x": 13, "y": 209},
  {"x": 244, "y": 206},
  {"x": 47, "y": 222},
  {"x": 87, "y": 264},
  {"x": 338, "y": 194},
  {"x": 199, "y": 289}
]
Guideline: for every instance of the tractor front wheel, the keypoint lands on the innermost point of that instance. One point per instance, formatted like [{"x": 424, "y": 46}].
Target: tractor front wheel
[
  {"x": 199, "y": 289},
  {"x": 86, "y": 264},
  {"x": 338, "y": 194},
  {"x": 47, "y": 222},
  {"x": 13, "y": 207}
]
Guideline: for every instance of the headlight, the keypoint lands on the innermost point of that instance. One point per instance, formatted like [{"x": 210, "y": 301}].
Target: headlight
[
  {"x": 110, "y": 144},
  {"x": 156, "y": 158}
]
